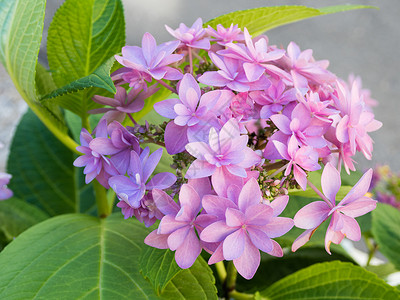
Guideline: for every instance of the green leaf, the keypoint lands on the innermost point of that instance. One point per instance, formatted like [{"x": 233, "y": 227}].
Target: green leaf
[
  {"x": 274, "y": 268},
  {"x": 159, "y": 267},
  {"x": 99, "y": 78},
  {"x": 42, "y": 169},
  {"x": 382, "y": 271},
  {"x": 331, "y": 280},
  {"x": 77, "y": 256},
  {"x": 82, "y": 37},
  {"x": 21, "y": 26},
  {"x": 259, "y": 20},
  {"x": 197, "y": 282},
  {"x": 386, "y": 231},
  {"x": 16, "y": 216}
]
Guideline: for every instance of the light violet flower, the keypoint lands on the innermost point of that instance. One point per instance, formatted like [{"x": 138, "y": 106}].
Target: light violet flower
[
  {"x": 194, "y": 114},
  {"x": 122, "y": 103},
  {"x": 136, "y": 79},
  {"x": 225, "y": 157},
  {"x": 342, "y": 223},
  {"x": 245, "y": 227},
  {"x": 191, "y": 37},
  {"x": 177, "y": 228},
  {"x": 5, "y": 192},
  {"x": 152, "y": 59},
  {"x": 132, "y": 189}
]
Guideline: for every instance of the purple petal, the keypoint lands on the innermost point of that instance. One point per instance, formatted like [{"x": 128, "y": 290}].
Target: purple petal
[
  {"x": 282, "y": 122},
  {"x": 253, "y": 71},
  {"x": 177, "y": 237},
  {"x": 161, "y": 181},
  {"x": 276, "y": 249},
  {"x": 302, "y": 239},
  {"x": 234, "y": 217},
  {"x": 217, "y": 206},
  {"x": 103, "y": 146},
  {"x": 351, "y": 229},
  {"x": 200, "y": 169},
  {"x": 201, "y": 185},
  {"x": 189, "y": 197},
  {"x": 217, "y": 256},
  {"x": 279, "y": 204},
  {"x": 260, "y": 239},
  {"x": 168, "y": 225},
  {"x": 166, "y": 108},
  {"x": 359, "y": 207},
  {"x": 221, "y": 179},
  {"x": 258, "y": 215},
  {"x": 175, "y": 138}
]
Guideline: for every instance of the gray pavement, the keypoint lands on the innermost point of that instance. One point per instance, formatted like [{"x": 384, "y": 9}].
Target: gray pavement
[{"x": 364, "y": 42}]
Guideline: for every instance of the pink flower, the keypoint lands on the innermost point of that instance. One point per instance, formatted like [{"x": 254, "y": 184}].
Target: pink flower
[
  {"x": 177, "y": 228},
  {"x": 152, "y": 59},
  {"x": 225, "y": 157},
  {"x": 342, "y": 223},
  {"x": 191, "y": 37},
  {"x": 245, "y": 227},
  {"x": 225, "y": 35}
]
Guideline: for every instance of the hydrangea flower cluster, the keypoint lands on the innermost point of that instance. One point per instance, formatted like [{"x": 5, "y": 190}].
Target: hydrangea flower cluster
[
  {"x": 5, "y": 192},
  {"x": 253, "y": 119}
]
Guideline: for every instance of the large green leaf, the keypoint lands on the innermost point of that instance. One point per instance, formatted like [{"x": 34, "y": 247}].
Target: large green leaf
[
  {"x": 331, "y": 280},
  {"x": 259, "y": 20},
  {"x": 82, "y": 36},
  {"x": 16, "y": 216},
  {"x": 386, "y": 231},
  {"x": 82, "y": 257},
  {"x": 42, "y": 170},
  {"x": 21, "y": 26},
  {"x": 274, "y": 268}
]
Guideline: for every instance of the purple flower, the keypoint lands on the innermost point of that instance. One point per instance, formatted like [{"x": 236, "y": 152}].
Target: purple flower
[
  {"x": 146, "y": 213},
  {"x": 191, "y": 37},
  {"x": 177, "y": 228},
  {"x": 152, "y": 59},
  {"x": 225, "y": 157},
  {"x": 97, "y": 164},
  {"x": 244, "y": 228},
  {"x": 122, "y": 103},
  {"x": 5, "y": 192},
  {"x": 132, "y": 189},
  {"x": 136, "y": 79},
  {"x": 342, "y": 223}
]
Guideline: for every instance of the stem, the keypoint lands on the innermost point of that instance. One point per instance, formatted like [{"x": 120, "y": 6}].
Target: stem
[
  {"x": 153, "y": 142},
  {"x": 274, "y": 166},
  {"x": 103, "y": 209},
  {"x": 240, "y": 296},
  {"x": 190, "y": 60},
  {"x": 166, "y": 85},
  {"x": 277, "y": 171},
  {"x": 319, "y": 193},
  {"x": 372, "y": 247},
  {"x": 221, "y": 271},
  {"x": 132, "y": 119},
  {"x": 85, "y": 123},
  {"x": 110, "y": 199},
  {"x": 230, "y": 283}
]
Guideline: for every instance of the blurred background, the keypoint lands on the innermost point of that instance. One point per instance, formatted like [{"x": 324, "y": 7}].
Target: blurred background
[{"x": 364, "y": 42}]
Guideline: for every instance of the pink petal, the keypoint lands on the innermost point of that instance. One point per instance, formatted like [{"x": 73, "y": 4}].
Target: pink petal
[
  {"x": 233, "y": 245},
  {"x": 177, "y": 237},
  {"x": 168, "y": 225},
  {"x": 157, "y": 240},
  {"x": 222, "y": 179},
  {"x": 200, "y": 169},
  {"x": 234, "y": 217},
  {"x": 258, "y": 214},
  {"x": 276, "y": 249},
  {"x": 161, "y": 181},
  {"x": 359, "y": 190},
  {"x": 359, "y": 207},
  {"x": 217, "y": 206},
  {"x": 311, "y": 215},
  {"x": 250, "y": 195},
  {"x": 164, "y": 202},
  {"x": 201, "y": 185},
  {"x": 216, "y": 232},
  {"x": 217, "y": 256},
  {"x": 300, "y": 176},
  {"x": 260, "y": 239},
  {"x": 330, "y": 182},
  {"x": 188, "y": 252},
  {"x": 302, "y": 239},
  {"x": 253, "y": 71},
  {"x": 247, "y": 264},
  {"x": 189, "y": 197},
  {"x": 166, "y": 108},
  {"x": 279, "y": 204},
  {"x": 282, "y": 122},
  {"x": 278, "y": 227}
]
